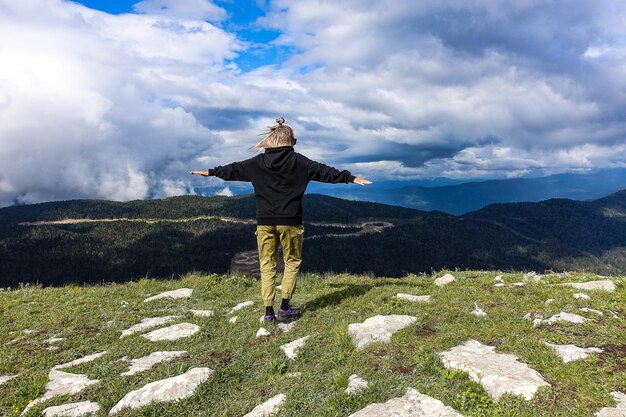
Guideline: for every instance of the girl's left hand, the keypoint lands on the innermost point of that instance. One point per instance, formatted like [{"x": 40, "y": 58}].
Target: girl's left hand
[{"x": 203, "y": 173}]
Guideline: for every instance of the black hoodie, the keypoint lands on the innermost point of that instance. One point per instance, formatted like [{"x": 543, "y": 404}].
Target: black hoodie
[{"x": 280, "y": 177}]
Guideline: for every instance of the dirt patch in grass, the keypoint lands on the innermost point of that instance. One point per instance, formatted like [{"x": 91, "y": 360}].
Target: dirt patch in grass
[
  {"x": 613, "y": 358},
  {"x": 426, "y": 331},
  {"x": 220, "y": 358}
]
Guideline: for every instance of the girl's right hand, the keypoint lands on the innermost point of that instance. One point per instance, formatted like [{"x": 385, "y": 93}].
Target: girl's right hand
[{"x": 361, "y": 181}]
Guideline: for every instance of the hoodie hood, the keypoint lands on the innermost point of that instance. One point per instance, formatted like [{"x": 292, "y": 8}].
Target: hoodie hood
[{"x": 275, "y": 159}]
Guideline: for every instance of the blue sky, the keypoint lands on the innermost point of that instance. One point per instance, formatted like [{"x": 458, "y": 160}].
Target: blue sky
[{"x": 118, "y": 100}]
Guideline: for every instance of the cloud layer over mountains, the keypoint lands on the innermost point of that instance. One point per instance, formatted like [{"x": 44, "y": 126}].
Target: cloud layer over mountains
[{"x": 122, "y": 106}]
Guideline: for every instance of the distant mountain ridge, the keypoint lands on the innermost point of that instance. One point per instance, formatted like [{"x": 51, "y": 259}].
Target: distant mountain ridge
[{"x": 557, "y": 234}]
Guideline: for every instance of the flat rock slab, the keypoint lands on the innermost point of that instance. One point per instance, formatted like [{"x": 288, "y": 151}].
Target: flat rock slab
[
  {"x": 355, "y": 384},
  {"x": 286, "y": 327},
  {"x": 496, "y": 372},
  {"x": 174, "y": 332},
  {"x": 263, "y": 332},
  {"x": 566, "y": 317},
  {"x": 146, "y": 324},
  {"x": 604, "y": 285},
  {"x": 202, "y": 313},
  {"x": 6, "y": 378},
  {"x": 169, "y": 389},
  {"x": 591, "y": 310},
  {"x": 80, "y": 361},
  {"x": 571, "y": 352},
  {"x": 414, "y": 298},
  {"x": 147, "y": 362},
  {"x": 378, "y": 329},
  {"x": 291, "y": 349},
  {"x": 581, "y": 296},
  {"x": 618, "y": 411},
  {"x": 413, "y": 404},
  {"x": 240, "y": 306},
  {"x": 269, "y": 407},
  {"x": 72, "y": 409},
  {"x": 444, "y": 280},
  {"x": 179, "y": 293},
  {"x": 478, "y": 311},
  {"x": 62, "y": 383}
]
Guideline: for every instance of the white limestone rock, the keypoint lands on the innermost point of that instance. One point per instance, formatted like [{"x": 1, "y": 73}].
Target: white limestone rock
[
  {"x": 413, "y": 404},
  {"x": 202, "y": 313},
  {"x": 571, "y": 352},
  {"x": 532, "y": 277},
  {"x": 518, "y": 284},
  {"x": 581, "y": 296},
  {"x": 147, "y": 323},
  {"x": 240, "y": 306},
  {"x": 286, "y": 327},
  {"x": 591, "y": 310},
  {"x": 527, "y": 316},
  {"x": 499, "y": 284},
  {"x": 293, "y": 374},
  {"x": 175, "y": 294},
  {"x": 233, "y": 320},
  {"x": 549, "y": 300},
  {"x": 166, "y": 390},
  {"x": 378, "y": 329},
  {"x": 6, "y": 378},
  {"x": 28, "y": 331},
  {"x": 414, "y": 298},
  {"x": 604, "y": 285},
  {"x": 54, "y": 340},
  {"x": 62, "y": 383},
  {"x": 444, "y": 280},
  {"x": 618, "y": 411},
  {"x": 498, "y": 278},
  {"x": 291, "y": 349},
  {"x": 478, "y": 311},
  {"x": 72, "y": 409},
  {"x": 263, "y": 332},
  {"x": 80, "y": 361},
  {"x": 355, "y": 384},
  {"x": 147, "y": 362},
  {"x": 496, "y": 372},
  {"x": 566, "y": 317},
  {"x": 269, "y": 407},
  {"x": 174, "y": 332}
]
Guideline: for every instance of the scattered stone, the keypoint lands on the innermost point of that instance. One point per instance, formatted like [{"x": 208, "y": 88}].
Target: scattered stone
[
  {"x": 414, "y": 298},
  {"x": 202, "y": 313},
  {"x": 604, "y": 285},
  {"x": 124, "y": 304},
  {"x": 62, "y": 383},
  {"x": 240, "y": 306},
  {"x": 146, "y": 324},
  {"x": 269, "y": 407},
  {"x": 567, "y": 317},
  {"x": 293, "y": 374},
  {"x": 499, "y": 284},
  {"x": 591, "y": 310},
  {"x": 72, "y": 409},
  {"x": 614, "y": 314},
  {"x": 446, "y": 279},
  {"x": 618, "y": 411},
  {"x": 355, "y": 384},
  {"x": 147, "y": 362},
  {"x": 498, "y": 278},
  {"x": 478, "y": 311},
  {"x": 6, "y": 378},
  {"x": 169, "y": 389},
  {"x": 54, "y": 340},
  {"x": 519, "y": 284},
  {"x": 537, "y": 323},
  {"x": 378, "y": 329},
  {"x": 571, "y": 352},
  {"x": 79, "y": 361},
  {"x": 174, "y": 332},
  {"x": 413, "y": 404},
  {"x": 52, "y": 348},
  {"x": 291, "y": 349},
  {"x": 532, "y": 277},
  {"x": 286, "y": 327},
  {"x": 179, "y": 293},
  {"x": 279, "y": 287},
  {"x": 28, "y": 331},
  {"x": 262, "y": 333},
  {"x": 233, "y": 320},
  {"x": 496, "y": 372},
  {"x": 549, "y": 300},
  {"x": 581, "y": 296},
  {"x": 527, "y": 316}
]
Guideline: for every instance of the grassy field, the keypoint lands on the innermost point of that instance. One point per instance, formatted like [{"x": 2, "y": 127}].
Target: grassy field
[{"x": 249, "y": 371}]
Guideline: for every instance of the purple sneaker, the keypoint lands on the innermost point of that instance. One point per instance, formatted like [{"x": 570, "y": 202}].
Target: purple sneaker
[
  {"x": 291, "y": 314},
  {"x": 269, "y": 318}
]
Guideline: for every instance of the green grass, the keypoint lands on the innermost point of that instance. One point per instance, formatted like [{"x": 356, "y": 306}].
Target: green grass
[{"x": 249, "y": 371}]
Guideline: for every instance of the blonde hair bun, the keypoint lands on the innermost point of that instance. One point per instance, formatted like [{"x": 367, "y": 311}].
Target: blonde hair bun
[{"x": 280, "y": 120}]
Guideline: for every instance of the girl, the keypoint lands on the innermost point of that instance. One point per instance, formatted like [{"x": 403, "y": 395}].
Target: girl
[{"x": 279, "y": 177}]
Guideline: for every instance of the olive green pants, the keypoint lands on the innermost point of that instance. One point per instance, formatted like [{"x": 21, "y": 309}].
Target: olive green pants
[{"x": 290, "y": 238}]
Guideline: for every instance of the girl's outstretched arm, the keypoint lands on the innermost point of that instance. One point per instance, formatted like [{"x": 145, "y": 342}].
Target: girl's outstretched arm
[{"x": 237, "y": 171}]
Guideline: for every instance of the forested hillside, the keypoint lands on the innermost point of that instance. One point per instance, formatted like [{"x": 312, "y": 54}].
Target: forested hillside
[{"x": 554, "y": 234}]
